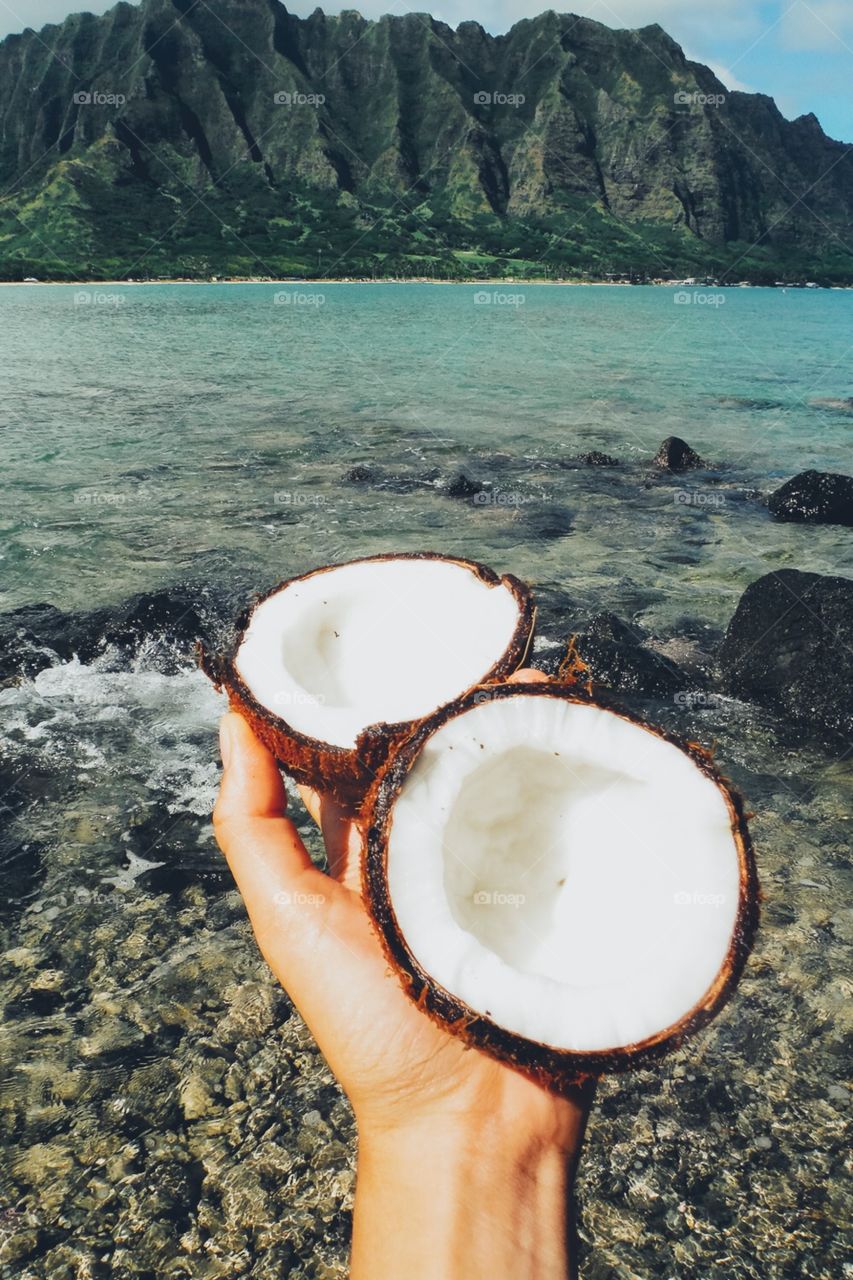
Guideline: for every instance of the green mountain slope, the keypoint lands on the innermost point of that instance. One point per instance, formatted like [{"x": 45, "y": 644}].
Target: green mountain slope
[{"x": 231, "y": 137}]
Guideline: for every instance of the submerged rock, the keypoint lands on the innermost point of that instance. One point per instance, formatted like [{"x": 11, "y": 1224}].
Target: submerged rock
[
  {"x": 675, "y": 454},
  {"x": 547, "y": 520},
  {"x": 359, "y": 474},
  {"x": 595, "y": 458},
  {"x": 814, "y": 497},
  {"x": 789, "y": 646},
  {"x": 462, "y": 486},
  {"x": 837, "y": 405}
]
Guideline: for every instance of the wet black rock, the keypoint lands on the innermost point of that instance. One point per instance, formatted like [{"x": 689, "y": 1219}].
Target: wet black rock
[
  {"x": 359, "y": 474},
  {"x": 172, "y": 614},
  {"x": 31, "y": 638},
  {"x": 37, "y": 636},
  {"x": 815, "y": 497},
  {"x": 618, "y": 658},
  {"x": 675, "y": 454},
  {"x": 789, "y": 647},
  {"x": 462, "y": 486},
  {"x": 595, "y": 458}
]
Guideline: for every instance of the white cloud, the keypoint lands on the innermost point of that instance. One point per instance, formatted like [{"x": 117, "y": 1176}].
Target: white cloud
[
  {"x": 818, "y": 26},
  {"x": 722, "y": 73}
]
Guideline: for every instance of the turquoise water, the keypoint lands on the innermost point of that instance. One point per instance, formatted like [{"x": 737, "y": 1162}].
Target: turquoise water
[
  {"x": 149, "y": 425},
  {"x": 163, "y": 1112}
]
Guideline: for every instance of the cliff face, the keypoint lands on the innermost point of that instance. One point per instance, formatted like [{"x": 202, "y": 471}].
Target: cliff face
[{"x": 180, "y": 135}]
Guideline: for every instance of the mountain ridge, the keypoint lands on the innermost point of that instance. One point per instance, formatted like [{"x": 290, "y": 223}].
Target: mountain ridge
[{"x": 234, "y": 137}]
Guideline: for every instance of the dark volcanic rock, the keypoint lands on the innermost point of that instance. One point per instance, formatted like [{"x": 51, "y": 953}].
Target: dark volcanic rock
[
  {"x": 597, "y": 459},
  {"x": 789, "y": 646},
  {"x": 359, "y": 474},
  {"x": 32, "y": 638},
  {"x": 675, "y": 454},
  {"x": 36, "y": 636},
  {"x": 815, "y": 497},
  {"x": 618, "y": 658},
  {"x": 462, "y": 486}
]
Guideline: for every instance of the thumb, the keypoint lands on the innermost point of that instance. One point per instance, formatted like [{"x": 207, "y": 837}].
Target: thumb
[{"x": 288, "y": 899}]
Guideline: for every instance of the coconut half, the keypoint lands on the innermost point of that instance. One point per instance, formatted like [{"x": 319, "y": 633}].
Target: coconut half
[
  {"x": 566, "y": 887},
  {"x": 336, "y": 667}
]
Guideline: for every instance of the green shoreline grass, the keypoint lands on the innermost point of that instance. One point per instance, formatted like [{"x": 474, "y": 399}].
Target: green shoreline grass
[{"x": 493, "y": 282}]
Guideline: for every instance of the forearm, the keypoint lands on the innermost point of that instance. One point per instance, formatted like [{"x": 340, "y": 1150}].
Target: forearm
[{"x": 466, "y": 1201}]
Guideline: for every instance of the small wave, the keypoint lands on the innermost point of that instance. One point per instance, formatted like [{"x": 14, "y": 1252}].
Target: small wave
[{"x": 159, "y": 728}]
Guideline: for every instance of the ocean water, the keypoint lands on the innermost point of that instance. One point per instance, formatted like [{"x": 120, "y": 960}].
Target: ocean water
[{"x": 162, "y": 1110}]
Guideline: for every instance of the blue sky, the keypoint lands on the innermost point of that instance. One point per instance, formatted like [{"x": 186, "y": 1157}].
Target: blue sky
[{"x": 799, "y": 51}]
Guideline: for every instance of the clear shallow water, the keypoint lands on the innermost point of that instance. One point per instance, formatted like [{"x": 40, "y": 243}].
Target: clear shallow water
[
  {"x": 188, "y": 420},
  {"x": 201, "y": 434}
]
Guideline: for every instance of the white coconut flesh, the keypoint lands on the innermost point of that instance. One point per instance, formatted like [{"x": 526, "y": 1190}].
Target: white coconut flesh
[
  {"x": 372, "y": 642},
  {"x": 570, "y": 875}
]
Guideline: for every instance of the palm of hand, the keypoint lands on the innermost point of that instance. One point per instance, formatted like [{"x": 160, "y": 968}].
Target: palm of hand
[{"x": 393, "y": 1061}]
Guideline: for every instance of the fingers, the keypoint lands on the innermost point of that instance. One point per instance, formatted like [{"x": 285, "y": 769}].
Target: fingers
[
  {"x": 528, "y": 675},
  {"x": 341, "y": 836},
  {"x": 288, "y": 899},
  {"x": 311, "y": 800},
  {"x": 343, "y": 842}
]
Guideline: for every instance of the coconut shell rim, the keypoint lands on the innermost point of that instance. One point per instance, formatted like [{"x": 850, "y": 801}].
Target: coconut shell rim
[
  {"x": 347, "y": 771},
  {"x": 548, "y": 1064}
]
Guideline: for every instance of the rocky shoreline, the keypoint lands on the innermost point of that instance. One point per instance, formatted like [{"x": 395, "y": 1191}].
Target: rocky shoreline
[{"x": 163, "y": 1111}]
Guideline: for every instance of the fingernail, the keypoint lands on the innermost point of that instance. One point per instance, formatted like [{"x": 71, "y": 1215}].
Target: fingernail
[{"x": 226, "y": 739}]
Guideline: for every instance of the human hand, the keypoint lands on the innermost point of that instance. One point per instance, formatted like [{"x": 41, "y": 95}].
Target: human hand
[{"x": 423, "y": 1101}]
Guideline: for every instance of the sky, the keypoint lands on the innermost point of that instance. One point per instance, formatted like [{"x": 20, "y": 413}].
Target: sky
[{"x": 798, "y": 51}]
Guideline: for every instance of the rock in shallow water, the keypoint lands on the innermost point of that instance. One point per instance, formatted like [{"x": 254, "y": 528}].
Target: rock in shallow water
[
  {"x": 789, "y": 646},
  {"x": 359, "y": 474},
  {"x": 814, "y": 497},
  {"x": 462, "y": 486},
  {"x": 35, "y": 636},
  {"x": 598, "y": 459},
  {"x": 618, "y": 659},
  {"x": 675, "y": 454}
]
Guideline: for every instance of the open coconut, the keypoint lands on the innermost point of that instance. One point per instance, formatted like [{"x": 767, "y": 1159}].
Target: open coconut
[
  {"x": 336, "y": 667},
  {"x": 564, "y": 886}
]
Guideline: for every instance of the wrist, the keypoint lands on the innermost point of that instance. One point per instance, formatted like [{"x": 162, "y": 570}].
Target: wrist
[{"x": 480, "y": 1193}]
